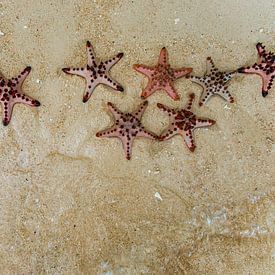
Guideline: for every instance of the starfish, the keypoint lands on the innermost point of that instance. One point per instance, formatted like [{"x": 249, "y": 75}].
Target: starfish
[
  {"x": 11, "y": 93},
  {"x": 161, "y": 76},
  {"x": 96, "y": 72},
  {"x": 213, "y": 82},
  {"x": 184, "y": 122},
  {"x": 265, "y": 67},
  {"x": 127, "y": 127}
]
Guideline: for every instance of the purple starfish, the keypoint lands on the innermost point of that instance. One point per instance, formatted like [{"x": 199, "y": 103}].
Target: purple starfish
[
  {"x": 11, "y": 93},
  {"x": 265, "y": 67},
  {"x": 127, "y": 127},
  {"x": 96, "y": 73}
]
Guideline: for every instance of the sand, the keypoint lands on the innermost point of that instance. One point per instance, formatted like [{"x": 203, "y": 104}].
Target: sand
[{"x": 70, "y": 203}]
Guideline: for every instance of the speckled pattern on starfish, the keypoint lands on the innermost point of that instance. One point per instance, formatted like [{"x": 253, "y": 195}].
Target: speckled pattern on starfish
[
  {"x": 96, "y": 72},
  {"x": 127, "y": 126},
  {"x": 11, "y": 93},
  {"x": 184, "y": 122},
  {"x": 213, "y": 82},
  {"x": 161, "y": 76},
  {"x": 265, "y": 67}
]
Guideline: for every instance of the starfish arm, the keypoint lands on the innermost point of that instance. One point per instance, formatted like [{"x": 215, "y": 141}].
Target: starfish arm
[
  {"x": 229, "y": 76},
  {"x": 171, "y": 91},
  {"x": 90, "y": 86},
  {"x": 209, "y": 65},
  {"x": 90, "y": 54},
  {"x": 191, "y": 101},
  {"x": 201, "y": 122},
  {"x": 110, "y": 132},
  {"x": 141, "y": 109},
  {"x": 111, "y": 62},
  {"x": 189, "y": 140},
  {"x": 198, "y": 80},
  {"x": 267, "y": 81},
  {"x": 127, "y": 143},
  {"x": 27, "y": 100},
  {"x": 206, "y": 94},
  {"x": 141, "y": 132},
  {"x": 7, "y": 113},
  {"x": 181, "y": 72},
  {"x": 146, "y": 70},
  {"x": 163, "y": 57},
  {"x": 261, "y": 52},
  {"x": 168, "y": 133},
  {"x": 76, "y": 71},
  {"x": 18, "y": 81},
  {"x": 223, "y": 92},
  {"x": 116, "y": 113},
  {"x": 149, "y": 89},
  {"x": 165, "y": 108},
  {"x": 111, "y": 83}
]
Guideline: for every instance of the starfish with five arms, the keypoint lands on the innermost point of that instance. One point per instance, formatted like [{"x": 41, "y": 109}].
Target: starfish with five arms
[
  {"x": 127, "y": 127},
  {"x": 213, "y": 82},
  {"x": 184, "y": 122},
  {"x": 161, "y": 76},
  {"x": 11, "y": 93},
  {"x": 265, "y": 67},
  {"x": 96, "y": 72}
]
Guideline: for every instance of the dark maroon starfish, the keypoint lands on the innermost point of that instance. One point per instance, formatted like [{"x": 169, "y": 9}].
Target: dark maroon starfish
[
  {"x": 11, "y": 93},
  {"x": 96, "y": 72},
  {"x": 265, "y": 67},
  {"x": 127, "y": 127},
  {"x": 184, "y": 122}
]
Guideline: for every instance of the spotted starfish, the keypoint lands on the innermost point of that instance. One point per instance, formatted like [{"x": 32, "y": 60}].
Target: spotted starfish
[
  {"x": 213, "y": 82},
  {"x": 265, "y": 67},
  {"x": 96, "y": 72},
  {"x": 127, "y": 127},
  {"x": 184, "y": 122},
  {"x": 11, "y": 93},
  {"x": 161, "y": 76}
]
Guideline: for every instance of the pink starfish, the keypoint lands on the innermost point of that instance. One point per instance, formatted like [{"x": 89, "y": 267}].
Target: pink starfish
[
  {"x": 265, "y": 67},
  {"x": 11, "y": 93},
  {"x": 161, "y": 76},
  {"x": 213, "y": 82},
  {"x": 96, "y": 73},
  {"x": 127, "y": 127},
  {"x": 184, "y": 122}
]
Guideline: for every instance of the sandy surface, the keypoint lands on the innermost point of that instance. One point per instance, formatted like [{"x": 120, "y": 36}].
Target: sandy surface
[{"x": 71, "y": 203}]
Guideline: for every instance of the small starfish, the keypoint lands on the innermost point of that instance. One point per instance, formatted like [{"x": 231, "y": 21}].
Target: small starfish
[
  {"x": 265, "y": 67},
  {"x": 127, "y": 127},
  {"x": 11, "y": 93},
  {"x": 213, "y": 82},
  {"x": 96, "y": 73},
  {"x": 161, "y": 76},
  {"x": 184, "y": 122}
]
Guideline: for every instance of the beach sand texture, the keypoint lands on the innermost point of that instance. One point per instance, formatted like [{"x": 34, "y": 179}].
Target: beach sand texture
[{"x": 70, "y": 203}]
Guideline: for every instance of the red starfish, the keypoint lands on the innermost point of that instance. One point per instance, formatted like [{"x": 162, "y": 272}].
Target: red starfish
[
  {"x": 161, "y": 76},
  {"x": 184, "y": 122},
  {"x": 265, "y": 67},
  {"x": 96, "y": 73},
  {"x": 213, "y": 82},
  {"x": 127, "y": 127},
  {"x": 11, "y": 93}
]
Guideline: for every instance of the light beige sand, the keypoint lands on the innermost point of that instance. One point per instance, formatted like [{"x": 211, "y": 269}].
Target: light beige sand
[{"x": 70, "y": 203}]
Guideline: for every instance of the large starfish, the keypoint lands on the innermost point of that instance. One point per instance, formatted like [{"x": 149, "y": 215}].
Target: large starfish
[
  {"x": 96, "y": 72},
  {"x": 161, "y": 76},
  {"x": 184, "y": 122},
  {"x": 265, "y": 67},
  {"x": 11, "y": 93},
  {"x": 127, "y": 127},
  {"x": 213, "y": 82}
]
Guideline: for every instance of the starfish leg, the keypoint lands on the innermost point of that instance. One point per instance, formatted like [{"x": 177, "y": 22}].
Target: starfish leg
[
  {"x": 267, "y": 81},
  {"x": 110, "y": 132},
  {"x": 141, "y": 132},
  {"x": 149, "y": 89},
  {"x": 141, "y": 109},
  {"x": 189, "y": 140},
  {"x": 111, "y": 83},
  {"x": 76, "y": 71},
  {"x": 229, "y": 76},
  {"x": 90, "y": 86},
  {"x": 261, "y": 51},
  {"x": 18, "y": 81},
  {"x": 127, "y": 143},
  {"x": 182, "y": 72},
  {"x": 7, "y": 112},
  {"x": 171, "y": 91},
  {"x": 27, "y": 100},
  {"x": 146, "y": 70},
  {"x": 206, "y": 94},
  {"x": 90, "y": 54},
  {"x": 116, "y": 113},
  {"x": 111, "y": 62},
  {"x": 163, "y": 57},
  {"x": 191, "y": 101},
  {"x": 198, "y": 80},
  {"x": 209, "y": 65},
  {"x": 223, "y": 92},
  {"x": 201, "y": 122}
]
